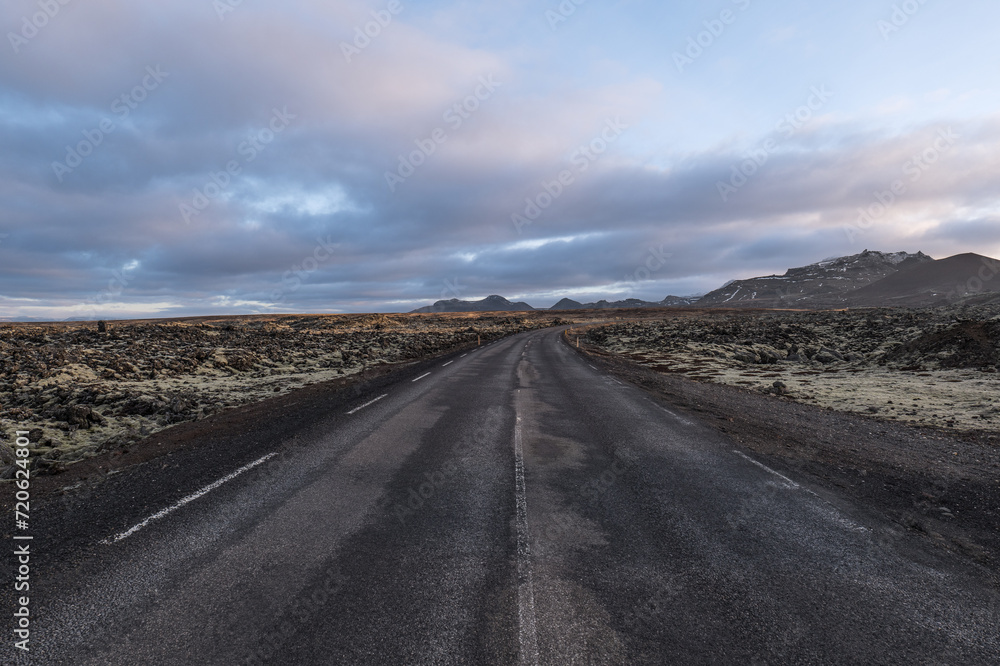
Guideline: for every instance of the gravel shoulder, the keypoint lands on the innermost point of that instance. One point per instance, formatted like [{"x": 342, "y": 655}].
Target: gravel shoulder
[{"x": 933, "y": 483}]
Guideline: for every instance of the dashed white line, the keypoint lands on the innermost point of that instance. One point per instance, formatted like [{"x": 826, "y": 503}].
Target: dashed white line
[
  {"x": 370, "y": 402},
  {"x": 190, "y": 498},
  {"x": 828, "y": 511},
  {"x": 463, "y": 355},
  {"x": 676, "y": 416},
  {"x": 421, "y": 376},
  {"x": 834, "y": 516},
  {"x": 767, "y": 469},
  {"x": 527, "y": 634},
  {"x": 592, "y": 366},
  {"x": 447, "y": 364}
]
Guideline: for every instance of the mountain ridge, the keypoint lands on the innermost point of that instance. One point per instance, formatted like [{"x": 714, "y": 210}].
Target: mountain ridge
[
  {"x": 492, "y": 303},
  {"x": 961, "y": 278},
  {"x": 824, "y": 283},
  {"x": 868, "y": 279}
]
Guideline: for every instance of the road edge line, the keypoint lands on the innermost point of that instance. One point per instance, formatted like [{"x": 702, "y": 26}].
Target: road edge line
[
  {"x": 185, "y": 500},
  {"x": 370, "y": 402}
]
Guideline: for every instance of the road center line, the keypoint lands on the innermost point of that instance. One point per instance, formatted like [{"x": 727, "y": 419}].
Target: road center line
[
  {"x": 527, "y": 634},
  {"x": 370, "y": 402},
  {"x": 766, "y": 468},
  {"x": 463, "y": 355},
  {"x": 447, "y": 364},
  {"x": 190, "y": 498},
  {"x": 421, "y": 376}
]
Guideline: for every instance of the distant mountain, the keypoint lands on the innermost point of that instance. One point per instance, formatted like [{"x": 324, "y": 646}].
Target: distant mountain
[
  {"x": 501, "y": 304},
  {"x": 567, "y": 304},
  {"x": 668, "y": 302},
  {"x": 963, "y": 278},
  {"x": 823, "y": 284},
  {"x": 869, "y": 279},
  {"x": 679, "y": 301},
  {"x": 488, "y": 304},
  {"x": 627, "y": 303}
]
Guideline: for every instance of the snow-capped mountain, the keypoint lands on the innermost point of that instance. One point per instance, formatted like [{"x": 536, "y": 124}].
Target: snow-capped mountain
[
  {"x": 868, "y": 279},
  {"x": 823, "y": 284}
]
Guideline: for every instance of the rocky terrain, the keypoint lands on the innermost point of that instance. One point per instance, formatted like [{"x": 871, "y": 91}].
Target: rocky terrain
[
  {"x": 84, "y": 389},
  {"x": 930, "y": 367}
]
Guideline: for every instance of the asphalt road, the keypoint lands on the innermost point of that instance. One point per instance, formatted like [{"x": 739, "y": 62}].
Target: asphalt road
[{"x": 513, "y": 506}]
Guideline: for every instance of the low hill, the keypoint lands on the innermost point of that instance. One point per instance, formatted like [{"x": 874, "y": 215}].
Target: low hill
[
  {"x": 668, "y": 302},
  {"x": 625, "y": 304},
  {"x": 679, "y": 301},
  {"x": 489, "y": 304},
  {"x": 568, "y": 304}
]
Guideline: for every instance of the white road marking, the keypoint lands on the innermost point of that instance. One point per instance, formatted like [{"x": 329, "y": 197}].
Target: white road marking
[
  {"x": 463, "y": 355},
  {"x": 421, "y": 376},
  {"x": 678, "y": 417},
  {"x": 829, "y": 512},
  {"x": 527, "y": 634},
  {"x": 447, "y": 364},
  {"x": 190, "y": 498},
  {"x": 592, "y": 366},
  {"x": 833, "y": 515},
  {"x": 370, "y": 402},
  {"x": 766, "y": 468}
]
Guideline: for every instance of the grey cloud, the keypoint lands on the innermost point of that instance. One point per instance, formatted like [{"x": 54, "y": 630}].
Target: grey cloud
[{"x": 121, "y": 204}]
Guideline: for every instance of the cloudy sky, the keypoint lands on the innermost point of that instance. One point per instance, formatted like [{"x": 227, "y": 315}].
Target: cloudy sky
[{"x": 234, "y": 156}]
